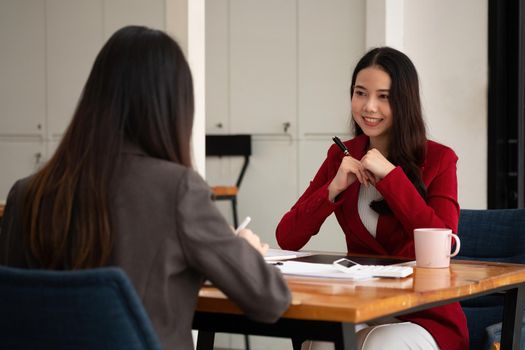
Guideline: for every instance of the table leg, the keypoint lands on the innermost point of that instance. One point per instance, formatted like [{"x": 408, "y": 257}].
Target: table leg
[
  {"x": 246, "y": 342},
  {"x": 344, "y": 338},
  {"x": 512, "y": 318},
  {"x": 348, "y": 339},
  {"x": 341, "y": 334},
  {"x": 205, "y": 340},
  {"x": 297, "y": 343}
]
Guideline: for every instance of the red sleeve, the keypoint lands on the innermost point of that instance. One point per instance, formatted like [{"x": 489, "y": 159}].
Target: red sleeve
[
  {"x": 441, "y": 208},
  {"x": 307, "y": 215}
]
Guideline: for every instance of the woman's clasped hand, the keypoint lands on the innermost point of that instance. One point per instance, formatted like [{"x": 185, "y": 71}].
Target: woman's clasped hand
[{"x": 373, "y": 167}]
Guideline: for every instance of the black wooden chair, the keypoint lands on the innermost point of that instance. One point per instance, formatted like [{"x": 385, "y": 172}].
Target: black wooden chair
[{"x": 230, "y": 146}]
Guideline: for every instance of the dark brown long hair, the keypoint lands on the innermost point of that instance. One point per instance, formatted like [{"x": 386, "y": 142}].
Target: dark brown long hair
[
  {"x": 408, "y": 135},
  {"x": 139, "y": 91}
]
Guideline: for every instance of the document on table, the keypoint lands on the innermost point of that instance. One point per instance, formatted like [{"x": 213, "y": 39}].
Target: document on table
[
  {"x": 317, "y": 270},
  {"x": 279, "y": 254}
]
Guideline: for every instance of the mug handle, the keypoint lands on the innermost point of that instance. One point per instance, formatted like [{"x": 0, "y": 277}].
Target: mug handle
[{"x": 458, "y": 244}]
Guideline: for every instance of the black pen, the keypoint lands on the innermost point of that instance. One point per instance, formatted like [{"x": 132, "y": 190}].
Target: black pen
[{"x": 341, "y": 145}]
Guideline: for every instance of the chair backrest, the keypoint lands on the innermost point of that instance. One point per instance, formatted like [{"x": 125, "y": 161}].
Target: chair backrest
[
  {"x": 231, "y": 145},
  {"x": 492, "y": 235},
  {"x": 489, "y": 235},
  {"x": 87, "y": 309}
]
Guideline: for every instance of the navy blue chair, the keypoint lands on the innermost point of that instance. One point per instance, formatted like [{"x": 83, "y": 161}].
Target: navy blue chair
[
  {"x": 86, "y": 309},
  {"x": 489, "y": 235}
]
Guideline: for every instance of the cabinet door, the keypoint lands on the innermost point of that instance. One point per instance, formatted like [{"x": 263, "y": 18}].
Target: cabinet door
[
  {"x": 22, "y": 68},
  {"x": 331, "y": 39},
  {"x": 74, "y": 37},
  {"x": 120, "y": 13},
  {"x": 19, "y": 159},
  {"x": 217, "y": 67},
  {"x": 263, "y": 66},
  {"x": 269, "y": 187}
]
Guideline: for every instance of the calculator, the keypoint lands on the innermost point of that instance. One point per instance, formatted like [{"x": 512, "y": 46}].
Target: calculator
[{"x": 351, "y": 267}]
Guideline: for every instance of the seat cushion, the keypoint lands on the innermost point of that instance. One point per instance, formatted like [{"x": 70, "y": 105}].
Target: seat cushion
[
  {"x": 494, "y": 335},
  {"x": 224, "y": 191}
]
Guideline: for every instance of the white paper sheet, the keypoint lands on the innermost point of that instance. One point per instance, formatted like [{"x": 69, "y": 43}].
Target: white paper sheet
[
  {"x": 279, "y": 254},
  {"x": 317, "y": 270}
]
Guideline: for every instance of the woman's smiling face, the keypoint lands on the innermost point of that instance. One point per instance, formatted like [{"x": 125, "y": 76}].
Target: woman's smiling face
[{"x": 370, "y": 103}]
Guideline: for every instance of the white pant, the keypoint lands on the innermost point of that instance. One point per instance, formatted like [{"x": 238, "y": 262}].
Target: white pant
[{"x": 391, "y": 336}]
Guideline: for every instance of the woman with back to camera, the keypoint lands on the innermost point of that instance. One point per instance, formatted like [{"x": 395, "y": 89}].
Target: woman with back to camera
[
  {"x": 393, "y": 181},
  {"x": 120, "y": 191}
]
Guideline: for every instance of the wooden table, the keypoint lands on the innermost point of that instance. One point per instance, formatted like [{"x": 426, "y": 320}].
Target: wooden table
[{"x": 328, "y": 309}]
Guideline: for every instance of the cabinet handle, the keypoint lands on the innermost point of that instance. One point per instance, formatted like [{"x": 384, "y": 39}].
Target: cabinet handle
[
  {"x": 286, "y": 126},
  {"x": 219, "y": 125},
  {"x": 38, "y": 158}
]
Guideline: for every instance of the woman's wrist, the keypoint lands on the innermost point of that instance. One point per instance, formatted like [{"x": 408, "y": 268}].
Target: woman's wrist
[
  {"x": 332, "y": 192},
  {"x": 389, "y": 169}
]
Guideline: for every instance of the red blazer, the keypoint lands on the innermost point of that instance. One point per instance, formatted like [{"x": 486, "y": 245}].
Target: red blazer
[{"x": 394, "y": 235}]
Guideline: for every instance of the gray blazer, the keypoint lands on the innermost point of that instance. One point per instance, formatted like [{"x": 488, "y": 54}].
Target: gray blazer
[{"x": 169, "y": 237}]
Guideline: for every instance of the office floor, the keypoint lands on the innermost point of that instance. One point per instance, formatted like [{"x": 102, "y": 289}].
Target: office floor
[{"x": 236, "y": 342}]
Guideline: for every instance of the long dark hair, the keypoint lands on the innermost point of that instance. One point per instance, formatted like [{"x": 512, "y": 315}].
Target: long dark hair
[
  {"x": 139, "y": 91},
  {"x": 408, "y": 135}
]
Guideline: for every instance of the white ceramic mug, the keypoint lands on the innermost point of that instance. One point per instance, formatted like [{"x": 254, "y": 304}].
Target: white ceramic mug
[{"x": 433, "y": 247}]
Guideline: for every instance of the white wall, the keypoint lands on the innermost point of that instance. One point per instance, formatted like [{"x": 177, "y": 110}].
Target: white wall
[{"x": 447, "y": 40}]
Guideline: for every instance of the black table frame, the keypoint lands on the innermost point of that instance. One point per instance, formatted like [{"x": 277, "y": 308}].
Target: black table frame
[{"x": 342, "y": 334}]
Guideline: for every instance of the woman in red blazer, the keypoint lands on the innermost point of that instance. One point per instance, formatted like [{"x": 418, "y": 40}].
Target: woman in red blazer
[{"x": 392, "y": 181}]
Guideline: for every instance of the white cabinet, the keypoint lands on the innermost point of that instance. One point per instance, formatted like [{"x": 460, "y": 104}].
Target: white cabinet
[
  {"x": 270, "y": 184},
  {"x": 22, "y": 68},
  {"x": 19, "y": 159},
  {"x": 263, "y": 66},
  {"x": 48, "y": 49},
  {"x": 76, "y": 32},
  {"x": 22, "y": 90},
  {"x": 330, "y": 40},
  {"x": 279, "y": 70},
  {"x": 217, "y": 68},
  {"x": 250, "y": 71},
  {"x": 119, "y": 13},
  {"x": 274, "y": 62},
  {"x": 74, "y": 36}
]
